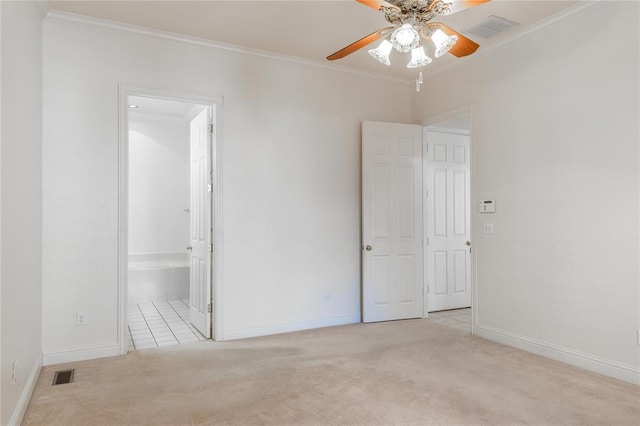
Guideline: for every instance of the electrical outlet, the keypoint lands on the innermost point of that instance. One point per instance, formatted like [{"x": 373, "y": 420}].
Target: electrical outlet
[
  {"x": 81, "y": 319},
  {"x": 327, "y": 296},
  {"x": 487, "y": 228},
  {"x": 14, "y": 372}
]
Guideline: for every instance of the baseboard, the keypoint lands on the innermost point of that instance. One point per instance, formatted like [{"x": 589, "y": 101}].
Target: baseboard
[
  {"x": 27, "y": 391},
  {"x": 624, "y": 372},
  {"x": 244, "y": 333},
  {"x": 81, "y": 354}
]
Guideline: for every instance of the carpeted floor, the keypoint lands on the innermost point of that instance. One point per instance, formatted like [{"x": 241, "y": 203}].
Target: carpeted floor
[{"x": 402, "y": 372}]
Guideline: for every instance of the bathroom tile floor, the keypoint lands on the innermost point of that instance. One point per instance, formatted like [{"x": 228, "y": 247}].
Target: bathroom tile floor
[
  {"x": 156, "y": 324},
  {"x": 455, "y": 318}
]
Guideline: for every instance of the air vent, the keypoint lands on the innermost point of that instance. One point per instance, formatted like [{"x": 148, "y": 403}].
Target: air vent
[
  {"x": 491, "y": 26},
  {"x": 62, "y": 377}
]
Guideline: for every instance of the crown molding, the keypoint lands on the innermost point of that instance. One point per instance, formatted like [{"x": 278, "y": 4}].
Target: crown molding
[
  {"x": 43, "y": 7},
  {"x": 582, "y": 7},
  {"x": 73, "y": 19}
]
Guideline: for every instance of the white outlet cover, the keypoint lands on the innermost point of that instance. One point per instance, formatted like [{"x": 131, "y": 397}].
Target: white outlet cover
[{"x": 487, "y": 228}]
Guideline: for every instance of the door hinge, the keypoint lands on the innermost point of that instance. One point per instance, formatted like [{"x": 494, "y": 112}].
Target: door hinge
[
  {"x": 426, "y": 147},
  {"x": 426, "y": 193},
  {"x": 427, "y": 240},
  {"x": 209, "y": 308},
  {"x": 210, "y": 128},
  {"x": 210, "y": 188},
  {"x": 427, "y": 289},
  {"x": 209, "y": 248}
]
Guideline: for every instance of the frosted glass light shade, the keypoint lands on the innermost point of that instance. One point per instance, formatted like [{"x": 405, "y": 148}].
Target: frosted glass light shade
[
  {"x": 418, "y": 58},
  {"x": 405, "y": 38},
  {"x": 381, "y": 53},
  {"x": 405, "y": 35},
  {"x": 442, "y": 42}
]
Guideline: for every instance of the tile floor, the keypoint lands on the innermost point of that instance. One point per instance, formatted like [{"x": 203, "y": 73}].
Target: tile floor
[
  {"x": 455, "y": 318},
  {"x": 156, "y": 324}
]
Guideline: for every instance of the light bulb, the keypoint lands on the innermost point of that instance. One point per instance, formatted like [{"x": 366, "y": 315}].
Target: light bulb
[
  {"x": 442, "y": 42},
  {"x": 381, "y": 53},
  {"x": 418, "y": 58}
]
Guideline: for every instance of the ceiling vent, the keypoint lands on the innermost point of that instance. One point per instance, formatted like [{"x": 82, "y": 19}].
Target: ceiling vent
[{"x": 491, "y": 26}]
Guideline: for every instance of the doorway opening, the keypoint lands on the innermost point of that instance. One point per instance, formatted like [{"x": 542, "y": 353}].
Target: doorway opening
[
  {"x": 447, "y": 222},
  {"x": 167, "y": 216}
]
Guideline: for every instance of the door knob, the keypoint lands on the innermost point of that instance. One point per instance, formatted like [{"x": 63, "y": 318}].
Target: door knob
[
  {"x": 189, "y": 248},
  {"x": 368, "y": 248},
  {"x": 468, "y": 243}
]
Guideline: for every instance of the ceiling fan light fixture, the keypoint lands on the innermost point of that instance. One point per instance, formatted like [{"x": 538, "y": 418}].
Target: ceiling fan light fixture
[
  {"x": 418, "y": 58},
  {"x": 381, "y": 53},
  {"x": 442, "y": 42},
  {"x": 405, "y": 38}
]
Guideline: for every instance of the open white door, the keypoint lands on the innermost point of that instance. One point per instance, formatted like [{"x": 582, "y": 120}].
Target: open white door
[
  {"x": 201, "y": 248},
  {"x": 447, "y": 220},
  {"x": 392, "y": 256}
]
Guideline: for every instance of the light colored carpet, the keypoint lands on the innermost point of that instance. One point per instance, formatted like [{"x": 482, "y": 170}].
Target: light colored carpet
[{"x": 402, "y": 372}]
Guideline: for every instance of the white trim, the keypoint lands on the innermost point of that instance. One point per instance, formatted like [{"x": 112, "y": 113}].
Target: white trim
[
  {"x": 450, "y": 130},
  {"x": 218, "y": 228},
  {"x": 448, "y": 115},
  {"x": 425, "y": 290},
  {"x": 67, "y": 18},
  {"x": 27, "y": 391},
  {"x": 123, "y": 241},
  {"x": 43, "y": 7},
  {"x": 627, "y": 373},
  {"x": 81, "y": 354},
  {"x": 574, "y": 11},
  {"x": 216, "y": 103},
  {"x": 243, "y": 333}
]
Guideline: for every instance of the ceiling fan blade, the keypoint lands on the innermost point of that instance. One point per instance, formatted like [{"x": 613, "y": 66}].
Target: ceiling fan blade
[
  {"x": 360, "y": 43},
  {"x": 377, "y": 4},
  {"x": 458, "y": 5},
  {"x": 463, "y": 47}
]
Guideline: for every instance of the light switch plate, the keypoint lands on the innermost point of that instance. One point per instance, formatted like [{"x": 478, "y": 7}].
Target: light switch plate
[{"x": 487, "y": 228}]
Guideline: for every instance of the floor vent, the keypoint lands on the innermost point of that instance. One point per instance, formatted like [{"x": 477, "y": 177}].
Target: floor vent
[
  {"x": 62, "y": 377},
  {"x": 491, "y": 26}
]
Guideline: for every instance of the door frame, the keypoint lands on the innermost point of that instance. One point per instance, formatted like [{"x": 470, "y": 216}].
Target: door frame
[
  {"x": 432, "y": 122},
  {"x": 215, "y": 103}
]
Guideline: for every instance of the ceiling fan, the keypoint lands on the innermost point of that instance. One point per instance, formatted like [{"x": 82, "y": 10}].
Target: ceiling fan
[{"x": 411, "y": 24}]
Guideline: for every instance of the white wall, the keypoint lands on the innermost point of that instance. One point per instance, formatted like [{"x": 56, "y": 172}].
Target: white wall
[
  {"x": 291, "y": 180},
  {"x": 555, "y": 142},
  {"x": 158, "y": 183},
  {"x": 21, "y": 205}
]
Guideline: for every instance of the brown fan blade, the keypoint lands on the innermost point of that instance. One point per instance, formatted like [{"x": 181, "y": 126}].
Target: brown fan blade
[
  {"x": 463, "y": 47},
  {"x": 360, "y": 43},
  {"x": 458, "y": 5},
  {"x": 377, "y": 4}
]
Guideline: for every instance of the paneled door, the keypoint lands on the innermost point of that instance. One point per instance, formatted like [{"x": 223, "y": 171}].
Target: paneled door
[
  {"x": 447, "y": 221},
  {"x": 200, "y": 227},
  {"x": 392, "y": 255}
]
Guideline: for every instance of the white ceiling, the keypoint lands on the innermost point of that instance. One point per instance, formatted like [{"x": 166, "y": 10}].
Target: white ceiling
[{"x": 310, "y": 29}]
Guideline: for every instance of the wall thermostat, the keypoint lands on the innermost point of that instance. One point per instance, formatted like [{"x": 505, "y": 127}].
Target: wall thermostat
[{"x": 487, "y": 206}]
